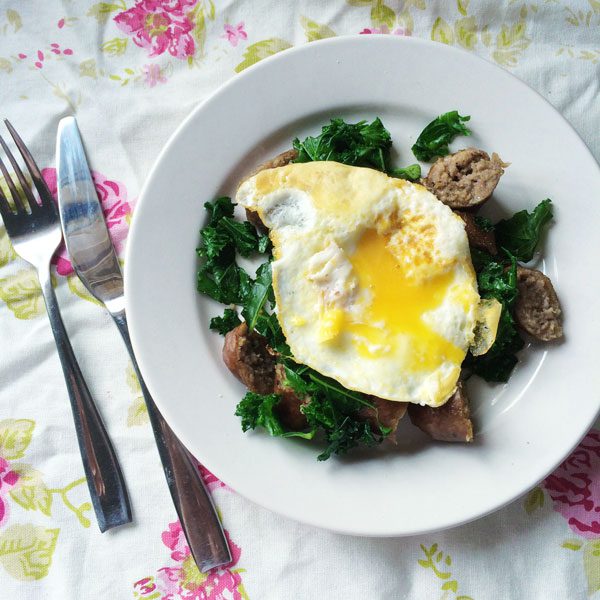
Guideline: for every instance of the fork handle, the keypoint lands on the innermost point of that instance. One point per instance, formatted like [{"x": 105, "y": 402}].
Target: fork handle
[
  {"x": 196, "y": 512},
  {"x": 102, "y": 470}
]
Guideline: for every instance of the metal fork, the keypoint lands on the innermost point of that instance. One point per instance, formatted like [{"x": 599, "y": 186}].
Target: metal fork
[{"x": 35, "y": 232}]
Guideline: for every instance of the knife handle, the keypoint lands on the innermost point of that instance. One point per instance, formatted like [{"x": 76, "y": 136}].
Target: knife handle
[
  {"x": 102, "y": 470},
  {"x": 194, "y": 506}
]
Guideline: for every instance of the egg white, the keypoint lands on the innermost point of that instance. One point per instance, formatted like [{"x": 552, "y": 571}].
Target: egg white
[{"x": 334, "y": 226}]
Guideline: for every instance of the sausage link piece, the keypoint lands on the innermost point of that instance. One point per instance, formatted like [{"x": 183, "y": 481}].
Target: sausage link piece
[
  {"x": 478, "y": 237},
  {"x": 248, "y": 356},
  {"x": 450, "y": 422},
  {"x": 537, "y": 309},
  {"x": 385, "y": 412},
  {"x": 465, "y": 179}
]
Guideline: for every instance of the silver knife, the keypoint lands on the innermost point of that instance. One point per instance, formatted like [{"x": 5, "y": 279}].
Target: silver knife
[{"x": 95, "y": 262}]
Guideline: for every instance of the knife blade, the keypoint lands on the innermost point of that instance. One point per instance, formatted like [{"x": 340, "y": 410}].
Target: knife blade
[{"x": 95, "y": 262}]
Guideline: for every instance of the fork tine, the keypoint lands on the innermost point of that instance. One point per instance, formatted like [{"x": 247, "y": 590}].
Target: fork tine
[
  {"x": 5, "y": 209},
  {"x": 13, "y": 190},
  {"x": 34, "y": 170},
  {"x": 33, "y": 205}
]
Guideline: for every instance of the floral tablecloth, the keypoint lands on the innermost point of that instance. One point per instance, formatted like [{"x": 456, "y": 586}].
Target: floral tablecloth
[{"x": 131, "y": 70}]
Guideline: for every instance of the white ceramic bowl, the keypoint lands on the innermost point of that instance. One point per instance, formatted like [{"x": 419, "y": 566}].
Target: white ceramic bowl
[{"x": 524, "y": 428}]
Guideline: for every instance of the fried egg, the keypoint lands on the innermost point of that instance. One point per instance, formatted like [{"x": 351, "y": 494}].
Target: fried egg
[{"x": 372, "y": 276}]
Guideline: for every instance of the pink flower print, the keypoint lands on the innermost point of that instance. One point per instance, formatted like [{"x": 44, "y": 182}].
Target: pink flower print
[
  {"x": 575, "y": 487},
  {"x": 159, "y": 26},
  {"x": 61, "y": 23},
  {"x": 174, "y": 540},
  {"x": 210, "y": 481},
  {"x": 40, "y": 61},
  {"x": 234, "y": 33},
  {"x": 8, "y": 478},
  {"x": 22, "y": 56},
  {"x": 180, "y": 581},
  {"x": 153, "y": 75},
  {"x": 168, "y": 579},
  {"x": 383, "y": 30},
  {"x": 145, "y": 586},
  {"x": 68, "y": 51},
  {"x": 116, "y": 209}
]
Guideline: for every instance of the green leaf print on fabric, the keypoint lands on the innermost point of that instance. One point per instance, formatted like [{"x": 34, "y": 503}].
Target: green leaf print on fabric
[
  {"x": 22, "y": 294},
  {"x": 102, "y": 11},
  {"x": 256, "y": 52},
  {"x": 382, "y": 15},
  {"x": 15, "y": 436},
  {"x": 115, "y": 47},
  {"x": 137, "y": 413},
  {"x": 7, "y": 252},
  {"x": 437, "y": 561},
  {"x": 26, "y": 551},
  {"x": 506, "y": 48},
  {"x": 466, "y": 32},
  {"x": 87, "y": 68},
  {"x": 463, "y": 6},
  {"x": 14, "y": 18},
  {"x": 534, "y": 500},
  {"x": 591, "y": 560},
  {"x": 315, "y": 31},
  {"x": 30, "y": 491},
  {"x": 442, "y": 32},
  {"x": 572, "y": 544},
  {"x": 80, "y": 290},
  {"x": 198, "y": 16},
  {"x": 591, "y": 565}
]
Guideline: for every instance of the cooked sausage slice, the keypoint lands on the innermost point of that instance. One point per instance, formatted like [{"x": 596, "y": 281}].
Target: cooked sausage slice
[
  {"x": 450, "y": 422},
  {"x": 478, "y": 237},
  {"x": 248, "y": 356},
  {"x": 537, "y": 309},
  {"x": 288, "y": 408},
  {"x": 465, "y": 179},
  {"x": 285, "y": 158},
  {"x": 386, "y": 412}
]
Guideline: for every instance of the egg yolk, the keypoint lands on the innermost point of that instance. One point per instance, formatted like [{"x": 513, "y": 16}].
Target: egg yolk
[{"x": 398, "y": 302}]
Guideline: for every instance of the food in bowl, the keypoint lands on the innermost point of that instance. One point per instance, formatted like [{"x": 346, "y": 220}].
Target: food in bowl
[{"x": 381, "y": 293}]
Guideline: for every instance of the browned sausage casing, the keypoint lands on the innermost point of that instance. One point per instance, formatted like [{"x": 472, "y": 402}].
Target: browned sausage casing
[
  {"x": 250, "y": 359},
  {"x": 478, "y": 237},
  {"x": 385, "y": 412},
  {"x": 450, "y": 422}
]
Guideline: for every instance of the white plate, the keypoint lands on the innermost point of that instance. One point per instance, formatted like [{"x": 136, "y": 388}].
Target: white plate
[{"x": 524, "y": 428}]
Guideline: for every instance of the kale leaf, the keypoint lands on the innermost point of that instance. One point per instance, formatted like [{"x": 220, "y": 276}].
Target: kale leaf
[
  {"x": 434, "y": 139},
  {"x": 256, "y": 410},
  {"x": 359, "y": 144},
  {"x": 261, "y": 291},
  {"x": 334, "y": 410},
  {"x": 497, "y": 281},
  {"x": 225, "y": 323},
  {"x": 330, "y": 409},
  {"x": 219, "y": 276},
  {"x": 481, "y": 258},
  {"x": 347, "y": 435},
  {"x": 241, "y": 234},
  {"x": 410, "y": 173},
  {"x": 521, "y": 233}
]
